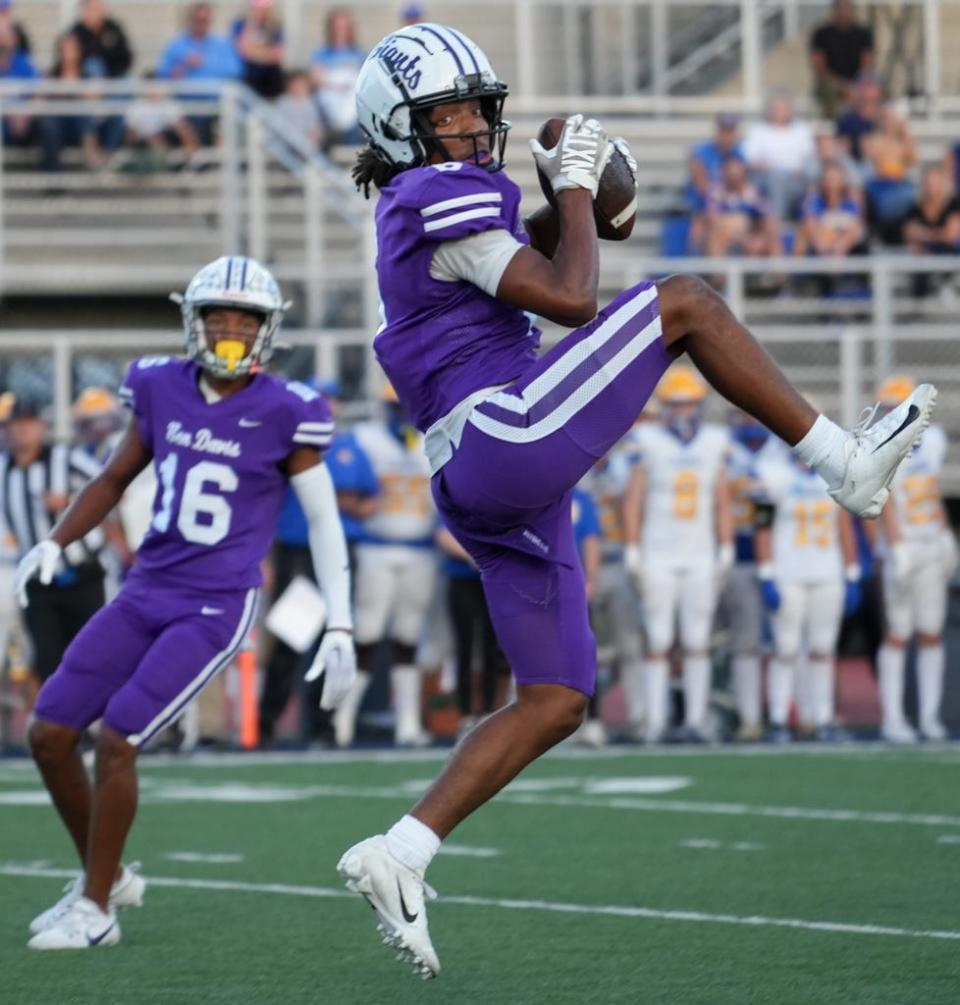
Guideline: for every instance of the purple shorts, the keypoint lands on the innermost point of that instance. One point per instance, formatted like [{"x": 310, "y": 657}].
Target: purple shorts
[
  {"x": 505, "y": 494},
  {"x": 143, "y": 658}
]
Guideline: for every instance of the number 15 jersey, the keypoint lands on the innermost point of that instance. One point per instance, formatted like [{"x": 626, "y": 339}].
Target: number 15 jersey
[{"x": 220, "y": 469}]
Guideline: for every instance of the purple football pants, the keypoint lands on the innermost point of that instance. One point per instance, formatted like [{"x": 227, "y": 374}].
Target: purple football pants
[
  {"x": 144, "y": 657},
  {"x": 505, "y": 494}
]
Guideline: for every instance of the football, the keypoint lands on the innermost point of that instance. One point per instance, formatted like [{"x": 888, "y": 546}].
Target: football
[{"x": 615, "y": 205}]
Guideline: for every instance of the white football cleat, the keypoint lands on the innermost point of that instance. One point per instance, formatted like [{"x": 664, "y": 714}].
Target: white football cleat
[
  {"x": 901, "y": 733},
  {"x": 934, "y": 730},
  {"x": 396, "y": 893},
  {"x": 874, "y": 453},
  {"x": 81, "y": 926},
  {"x": 127, "y": 891}
]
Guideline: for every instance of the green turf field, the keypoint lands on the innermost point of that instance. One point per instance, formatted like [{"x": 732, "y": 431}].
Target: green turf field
[{"x": 717, "y": 878}]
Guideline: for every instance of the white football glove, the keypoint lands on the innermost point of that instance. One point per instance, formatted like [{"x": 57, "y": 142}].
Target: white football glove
[
  {"x": 578, "y": 159},
  {"x": 723, "y": 565},
  {"x": 633, "y": 561},
  {"x": 40, "y": 561},
  {"x": 337, "y": 661},
  {"x": 901, "y": 560},
  {"x": 949, "y": 555}
]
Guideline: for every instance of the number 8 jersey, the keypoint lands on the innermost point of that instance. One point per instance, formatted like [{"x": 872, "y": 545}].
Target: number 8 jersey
[{"x": 220, "y": 469}]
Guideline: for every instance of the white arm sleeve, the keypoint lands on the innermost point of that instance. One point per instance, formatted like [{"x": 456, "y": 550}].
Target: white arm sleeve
[
  {"x": 480, "y": 259},
  {"x": 328, "y": 547}
]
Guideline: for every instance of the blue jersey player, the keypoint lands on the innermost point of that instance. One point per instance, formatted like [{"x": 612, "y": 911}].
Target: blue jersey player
[
  {"x": 226, "y": 440},
  {"x": 509, "y": 432}
]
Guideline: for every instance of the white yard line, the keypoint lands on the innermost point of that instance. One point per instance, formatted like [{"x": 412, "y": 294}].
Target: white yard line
[
  {"x": 611, "y": 910},
  {"x": 162, "y": 790}
]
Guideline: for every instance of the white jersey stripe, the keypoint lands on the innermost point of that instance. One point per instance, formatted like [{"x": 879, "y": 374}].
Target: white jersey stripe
[
  {"x": 567, "y": 363},
  {"x": 315, "y": 427},
  {"x": 199, "y": 682},
  {"x": 470, "y": 214},
  {"x": 461, "y": 200},
  {"x": 580, "y": 398}
]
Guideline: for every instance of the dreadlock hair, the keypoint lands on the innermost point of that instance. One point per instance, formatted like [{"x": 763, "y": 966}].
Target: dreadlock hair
[{"x": 372, "y": 169}]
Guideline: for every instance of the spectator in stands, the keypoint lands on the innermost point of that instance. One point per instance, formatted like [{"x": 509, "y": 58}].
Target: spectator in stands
[
  {"x": 94, "y": 134},
  {"x": 832, "y": 221},
  {"x": 412, "y": 13},
  {"x": 335, "y": 67},
  {"x": 259, "y": 42},
  {"x": 154, "y": 123},
  {"x": 105, "y": 51},
  {"x": 891, "y": 154},
  {"x": 737, "y": 221},
  {"x": 6, "y": 18},
  {"x": 830, "y": 148},
  {"x": 20, "y": 128},
  {"x": 863, "y": 117},
  {"x": 779, "y": 150},
  {"x": 840, "y": 50},
  {"x": 706, "y": 159},
  {"x": 200, "y": 55},
  {"x": 298, "y": 110},
  {"x": 932, "y": 225}
]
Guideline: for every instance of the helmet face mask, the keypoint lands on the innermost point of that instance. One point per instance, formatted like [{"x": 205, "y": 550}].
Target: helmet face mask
[
  {"x": 415, "y": 69},
  {"x": 232, "y": 283}
]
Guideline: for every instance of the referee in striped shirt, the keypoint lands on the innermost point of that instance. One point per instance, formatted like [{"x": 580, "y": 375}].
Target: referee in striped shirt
[{"x": 37, "y": 481}]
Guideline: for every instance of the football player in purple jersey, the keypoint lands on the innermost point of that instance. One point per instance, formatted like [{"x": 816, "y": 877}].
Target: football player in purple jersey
[
  {"x": 226, "y": 439},
  {"x": 510, "y": 432}
]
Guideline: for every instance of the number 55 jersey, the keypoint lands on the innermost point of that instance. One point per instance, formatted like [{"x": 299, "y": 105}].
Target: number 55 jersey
[{"x": 220, "y": 467}]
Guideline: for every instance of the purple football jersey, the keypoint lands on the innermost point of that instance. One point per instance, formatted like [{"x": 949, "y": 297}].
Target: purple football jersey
[
  {"x": 441, "y": 341},
  {"x": 220, "y": 469}
]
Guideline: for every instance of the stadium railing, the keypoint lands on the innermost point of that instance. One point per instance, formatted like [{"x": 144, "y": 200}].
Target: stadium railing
[
  {"x": 839, "y": 362},
  {"x": 262, "y": 189},
  {"x": 553, "y": 48}
]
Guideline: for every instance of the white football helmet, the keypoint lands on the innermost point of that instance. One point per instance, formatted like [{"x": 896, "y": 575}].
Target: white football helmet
[
  {"x": 238, "y": 282},
  {"x": 414, "y": 69}
]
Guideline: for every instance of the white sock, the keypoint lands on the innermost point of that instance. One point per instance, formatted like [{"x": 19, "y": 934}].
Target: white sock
[
  {"x": 405, "y": 681},
  {"x": 780, "y": 689},
  {"x": 696, "y": 691},
  {"x": 930, "y": 660},
  {"x": 412, "y": 843},
  {"x": 633, "y": 688},
  {"x": 821, "y": 690},
  {"x": 746, "y": 688},
  {"x": 656, "y": 676},
  {"x": 890, "y": 671},
  {"x": 822, "y": 450}
]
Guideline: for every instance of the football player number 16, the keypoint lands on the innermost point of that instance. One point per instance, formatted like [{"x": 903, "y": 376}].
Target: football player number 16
[{"x": 202, "y": 517}]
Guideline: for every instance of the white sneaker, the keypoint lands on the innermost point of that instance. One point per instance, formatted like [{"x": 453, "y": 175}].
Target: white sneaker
[
  {"x": 127, "y": 891},
  {"x": 82, "y": 926},
  {"x": 396, "y": 893},
  {"x": 413, "y": 739},
  {"x": 901, "y": 733},
  {"x": 934, "y": 730},
  {"x": 591, "y": 734},
  {"x": 874, "y": 453}
]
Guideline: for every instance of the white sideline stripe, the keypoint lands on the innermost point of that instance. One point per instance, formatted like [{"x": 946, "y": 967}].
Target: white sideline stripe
[
  {"x": 607, "y": 910},
  {"x": 460, "y": 200},
  {"x": 469, "y": 214},
  {"x": 739, "y": 810}
]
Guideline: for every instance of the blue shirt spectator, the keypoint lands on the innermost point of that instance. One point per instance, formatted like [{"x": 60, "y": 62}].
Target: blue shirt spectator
[
  {"x": 707, "y": 159},
  {"x": 258, "y": 40},
  {"x": 334, "y": 68},
  {"x": 863, "y": 117},
  {"x": 199, "y": 55},
  {"x": 15, "y": 64}
]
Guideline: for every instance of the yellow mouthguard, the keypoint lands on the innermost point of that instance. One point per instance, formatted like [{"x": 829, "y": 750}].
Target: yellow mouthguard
[{"x": 231, "y": 351}]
